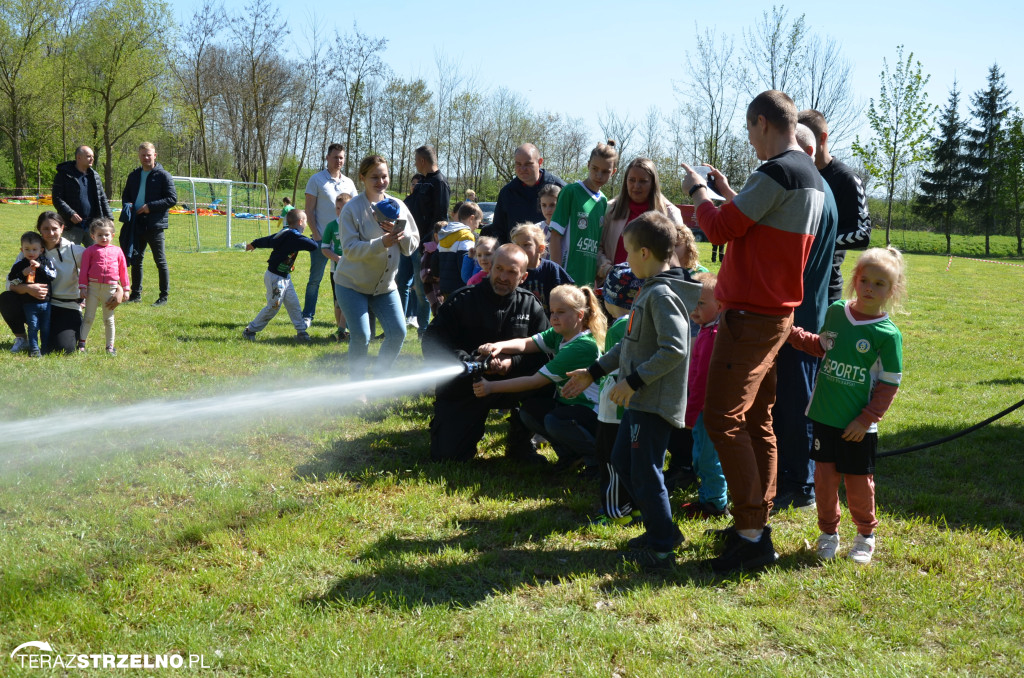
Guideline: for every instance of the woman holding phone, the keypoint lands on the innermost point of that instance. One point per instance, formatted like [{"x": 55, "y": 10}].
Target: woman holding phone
[{"x": 376, "y": 230}]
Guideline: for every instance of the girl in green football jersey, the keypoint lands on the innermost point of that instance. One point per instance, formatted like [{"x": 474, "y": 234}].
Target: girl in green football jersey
[
  {"x": 861, "y": 369},
  {"x": 578, "y": 326}
]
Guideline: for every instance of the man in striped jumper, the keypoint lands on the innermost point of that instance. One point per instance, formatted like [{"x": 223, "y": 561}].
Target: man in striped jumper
[{"x": 769, "y": 225}]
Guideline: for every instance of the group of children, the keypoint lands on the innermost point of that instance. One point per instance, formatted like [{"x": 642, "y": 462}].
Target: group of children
[
  {"x": 621, "y": 389},
  {"x": 102, "y": 282}
]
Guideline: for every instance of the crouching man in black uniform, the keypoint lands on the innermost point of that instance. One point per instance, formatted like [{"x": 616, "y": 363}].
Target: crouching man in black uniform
[{"x": 495, "y": 310}]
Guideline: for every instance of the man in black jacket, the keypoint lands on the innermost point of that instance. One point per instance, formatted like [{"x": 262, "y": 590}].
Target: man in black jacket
[
  {"x": 148, "y": 194},
  {"x": 518, "y": 200},
  {"x": 428, "y": 203},
  {"x": 495, "y": 310},
  {"x": 854, "y": 223},
  {"x": 78, "y": 195}
]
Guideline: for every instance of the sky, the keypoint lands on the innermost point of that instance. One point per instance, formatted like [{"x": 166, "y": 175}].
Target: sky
[{"x": 579, "y": 59}]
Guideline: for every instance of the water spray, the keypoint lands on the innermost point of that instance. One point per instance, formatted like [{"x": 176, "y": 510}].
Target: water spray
[{"x": 73, "y": 431}]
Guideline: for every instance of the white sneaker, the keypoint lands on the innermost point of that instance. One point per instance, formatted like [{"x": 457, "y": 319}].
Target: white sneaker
[
  {"x": 412, "y": 321},
  {"x": 828, "y": 544},
  {"x": 308, "y": 321},
  {"x": 20, "y": 344},
  {"x": 863, "y": 548}
]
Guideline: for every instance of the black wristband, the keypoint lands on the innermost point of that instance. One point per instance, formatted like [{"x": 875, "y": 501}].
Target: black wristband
[{"x": 695, "y": 188}]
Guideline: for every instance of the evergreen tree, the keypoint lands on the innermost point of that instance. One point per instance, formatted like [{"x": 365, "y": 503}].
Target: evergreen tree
[
  {"x": 984, "y": 144},
  {"x": 946, "y": 184},
  {"x": 1011, "y": 170}
]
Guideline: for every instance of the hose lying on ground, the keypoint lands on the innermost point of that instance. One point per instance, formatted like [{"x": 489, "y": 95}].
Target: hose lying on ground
[{"x": 952, "y": 436}]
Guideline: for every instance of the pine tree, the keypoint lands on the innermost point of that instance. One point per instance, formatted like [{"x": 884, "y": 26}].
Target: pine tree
[
  {"x": 984, "y": 144},
  {"x": 945, "y": 186}
]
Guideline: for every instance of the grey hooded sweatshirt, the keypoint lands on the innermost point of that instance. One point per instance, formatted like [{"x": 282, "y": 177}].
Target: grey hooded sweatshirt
[{"x": 654, "y": 355}]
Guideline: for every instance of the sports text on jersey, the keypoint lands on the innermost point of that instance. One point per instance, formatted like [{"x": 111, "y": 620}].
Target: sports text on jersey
[{"x": 844, "y": 372}]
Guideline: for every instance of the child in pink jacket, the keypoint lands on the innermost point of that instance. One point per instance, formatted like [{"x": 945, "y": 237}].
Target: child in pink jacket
[{"x": 102, "y": 279}]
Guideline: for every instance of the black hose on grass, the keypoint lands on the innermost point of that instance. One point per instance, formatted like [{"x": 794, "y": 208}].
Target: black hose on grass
[{"x": 952, "y": 436}]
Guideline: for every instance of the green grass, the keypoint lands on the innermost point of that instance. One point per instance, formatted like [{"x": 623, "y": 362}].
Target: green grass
[
  {"x": 330, "y": 546},
  {"x": 927, "y": 242}
]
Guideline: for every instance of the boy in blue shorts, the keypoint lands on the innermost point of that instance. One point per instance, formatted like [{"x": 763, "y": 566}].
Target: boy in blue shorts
[{"x": 652, "y": 359}]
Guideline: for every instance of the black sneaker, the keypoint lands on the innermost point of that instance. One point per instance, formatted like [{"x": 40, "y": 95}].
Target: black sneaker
[
  {"x": 793, "y": 500},
  {"x": 650, "y": 561},
  {"x": 162, "y": 301},
  {"x": 680, "y": 479},
  {"x": 524, "y": 451},
  {"x": 720, "y": 533},
  {"x": 133, "y": 299},
  {"x": 745, "y": 555},
  {"x": 638, "y": 543},
  {"x": 567, "y": 464}
]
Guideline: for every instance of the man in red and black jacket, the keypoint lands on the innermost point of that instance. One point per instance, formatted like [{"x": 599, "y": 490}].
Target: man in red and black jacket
[{"x": 770, "y": 226}]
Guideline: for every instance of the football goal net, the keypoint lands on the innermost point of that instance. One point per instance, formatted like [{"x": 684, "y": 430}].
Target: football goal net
[{"x": 218, "y": 214}]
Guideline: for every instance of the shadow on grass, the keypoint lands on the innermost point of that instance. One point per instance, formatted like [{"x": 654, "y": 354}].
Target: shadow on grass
[
  {"x": 398, "y": 448},
  {"x": 500, "y": 555},
  {"x": 974, "y": 481},
  {"x": 1008, "y": 381}
]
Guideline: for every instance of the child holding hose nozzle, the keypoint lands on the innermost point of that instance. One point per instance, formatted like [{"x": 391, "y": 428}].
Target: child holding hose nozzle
[{"x": 571, "y": 343}]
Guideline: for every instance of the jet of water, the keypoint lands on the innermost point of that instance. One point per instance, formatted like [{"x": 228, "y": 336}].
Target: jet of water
[{"x": 28, "y": 439}]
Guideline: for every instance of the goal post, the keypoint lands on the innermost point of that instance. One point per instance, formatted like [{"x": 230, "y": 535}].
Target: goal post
[{"x": 218, "y": 214}]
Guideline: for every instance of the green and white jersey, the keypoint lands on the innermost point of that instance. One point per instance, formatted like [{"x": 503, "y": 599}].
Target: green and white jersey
[
  {"x": 565, "y": 356},
  {"x": 607, "y": 411},
  {"x": 332, "y": 240},
  {"x": 578, "y": 218},
  {"x": 858, "y": 355}
]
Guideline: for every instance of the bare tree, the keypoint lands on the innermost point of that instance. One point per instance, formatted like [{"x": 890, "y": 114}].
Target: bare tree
[
  {"x": 621, "y": 129},
  {"x": 774, "y": 52},
  {"x": 357, "y": 60},
  {"x": 827, "y": 88},
  {"x": 563, "y": 143},
  {"x": 651, "y": 133},
  {"x": 317, "y": 71},
  {"x": 508, "y": 123},
  {"x": 193, "y": 63},
  {"x": 709, "y": 95}
]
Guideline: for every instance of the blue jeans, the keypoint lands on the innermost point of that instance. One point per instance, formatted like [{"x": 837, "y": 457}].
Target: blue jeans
[
  {"x": 356, "y": 307},
  {"x": 705, "y": 462},
  {"x": 317, "y": 263},
  {"x": 37, "y": 320},
  {"x": 639, "y": 457},
  {"x": 794, "y": 432},
  {"x": 409, "y": 278}
]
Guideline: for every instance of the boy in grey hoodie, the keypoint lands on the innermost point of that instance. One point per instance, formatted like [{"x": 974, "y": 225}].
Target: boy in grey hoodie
[{"x": 652, "y": 359}]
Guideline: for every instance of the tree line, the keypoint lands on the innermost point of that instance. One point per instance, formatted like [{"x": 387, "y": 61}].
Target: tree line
[{"x": 226, "y": 94}]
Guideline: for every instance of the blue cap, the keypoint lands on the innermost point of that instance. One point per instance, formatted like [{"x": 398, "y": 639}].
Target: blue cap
[
  {"x": 621, "y": 286},
  {"x": 388, "y": 209}
]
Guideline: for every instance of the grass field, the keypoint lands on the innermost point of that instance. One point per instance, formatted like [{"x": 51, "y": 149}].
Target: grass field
[{"x": 329, "y": 546}]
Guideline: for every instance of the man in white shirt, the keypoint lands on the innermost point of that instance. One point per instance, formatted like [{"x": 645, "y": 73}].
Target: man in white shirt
[{"x": 321, "y": 191}]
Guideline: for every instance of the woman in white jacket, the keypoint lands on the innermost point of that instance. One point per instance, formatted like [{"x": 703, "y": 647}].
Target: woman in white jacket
[
  {"x": 641, "y": 192},
  {"x": 365, "y": 277}
]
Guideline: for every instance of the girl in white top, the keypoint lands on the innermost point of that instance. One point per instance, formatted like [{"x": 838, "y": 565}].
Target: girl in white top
[{"x": 365, "y": 277}]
